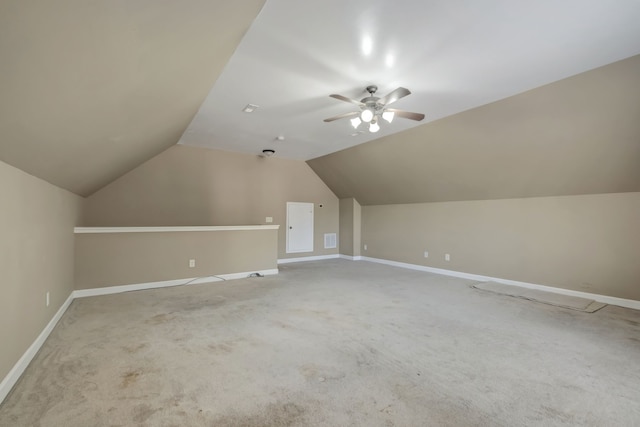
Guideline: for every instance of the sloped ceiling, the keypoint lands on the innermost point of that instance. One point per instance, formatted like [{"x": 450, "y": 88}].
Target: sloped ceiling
[
  {"x": 580, "y": 135},
  {"x": 91, "y": 89},
  {"x": 453, "y": 55}
]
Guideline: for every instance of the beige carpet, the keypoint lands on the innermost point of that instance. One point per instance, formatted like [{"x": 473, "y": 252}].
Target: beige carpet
[
  {"x": 559, "y": 300},
  {"x": 332, "y": 343}
]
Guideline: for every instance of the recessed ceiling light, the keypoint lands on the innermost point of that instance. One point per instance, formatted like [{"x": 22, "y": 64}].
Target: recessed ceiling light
[
  {"x": 280, "y": 138},
  {"x": 268, "y": 152},
  {"x": 250, "y": 108}
]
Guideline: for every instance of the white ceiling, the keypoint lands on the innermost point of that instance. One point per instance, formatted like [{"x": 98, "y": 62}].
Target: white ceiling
[{"x": 452, "y": 55}]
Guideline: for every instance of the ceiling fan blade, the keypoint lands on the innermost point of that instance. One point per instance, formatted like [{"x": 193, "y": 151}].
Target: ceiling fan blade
[
  {"x": 393, "y": 96},
  {"x": 343, "y": 116},
  {"x": 345, "y": 99},
  {"x": 406, "y": 114}
]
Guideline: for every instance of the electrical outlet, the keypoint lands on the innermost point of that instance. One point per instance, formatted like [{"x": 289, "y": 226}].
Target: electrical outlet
[
  {"x": 192, "y": 263},
  {"x": 47, "y": 298},
  {"x": 447, "y": 257},
  {"x": 426, "y": 254},
  {"x": 365, "y": 247},
  {"x": 268, "y": 219}
]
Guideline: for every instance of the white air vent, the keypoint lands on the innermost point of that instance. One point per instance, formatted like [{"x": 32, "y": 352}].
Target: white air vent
[
  {"x": 330, "y": 240},
  {"x": 250, "y": 108}
]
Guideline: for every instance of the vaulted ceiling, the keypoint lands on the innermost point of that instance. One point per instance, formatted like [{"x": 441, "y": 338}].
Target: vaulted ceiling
[{"x": 90, "y": 90}]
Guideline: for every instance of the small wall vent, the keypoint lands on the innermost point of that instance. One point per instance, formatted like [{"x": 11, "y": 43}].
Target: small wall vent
[{"x": 330, "y": 241}]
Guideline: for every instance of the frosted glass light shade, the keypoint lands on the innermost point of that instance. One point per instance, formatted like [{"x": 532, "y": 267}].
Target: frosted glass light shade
[
  {"x": 388, "y": 116},
  {"x": 366, "y": 115},
  {"x": 356, "y": 122},
  {"x": 374, "y": 127}
]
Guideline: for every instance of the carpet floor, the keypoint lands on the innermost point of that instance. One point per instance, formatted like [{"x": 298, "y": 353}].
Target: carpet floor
[{"x": 331, "y": 343}]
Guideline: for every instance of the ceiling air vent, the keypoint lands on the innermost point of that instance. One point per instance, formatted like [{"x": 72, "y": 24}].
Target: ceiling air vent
[{"x": 250, "y": 108}]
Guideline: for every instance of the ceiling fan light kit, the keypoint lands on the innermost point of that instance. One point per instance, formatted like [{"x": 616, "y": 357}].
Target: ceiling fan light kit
[{"x": 372, "y": 108}]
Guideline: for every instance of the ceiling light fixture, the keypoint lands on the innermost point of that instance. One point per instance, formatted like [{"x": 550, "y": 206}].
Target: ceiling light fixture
[
  {"x": 267, "y": 152},
  {"x": 374, "y": 126},
  {"x": 355, "y": 122}
]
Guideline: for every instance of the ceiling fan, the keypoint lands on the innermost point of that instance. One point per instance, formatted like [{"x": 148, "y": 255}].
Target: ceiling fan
[{"x": 373, "y": 108}]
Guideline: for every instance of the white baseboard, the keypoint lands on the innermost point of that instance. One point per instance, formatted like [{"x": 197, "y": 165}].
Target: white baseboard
[
  {"x": 14, "y": 374},
  {"x": 351, "y": 258},
  {"x": 622, "y": 302},
  {"x": 80, "y": 293},
  {"x": 307, "y": 258},
  {"x": 107, "y": 290}
]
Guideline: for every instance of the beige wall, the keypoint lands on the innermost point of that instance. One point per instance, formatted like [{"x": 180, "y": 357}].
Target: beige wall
[
  {"x": 110, "y": 259},
  {"x": 346, "y": 226},
  {"x": 357, "y": 228},
  {"x": 586, "y": 243},
  {"x": 350, "y": 217},
  {"x": 36, "y": 256},
  {"x": 196, "y": 186}
]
